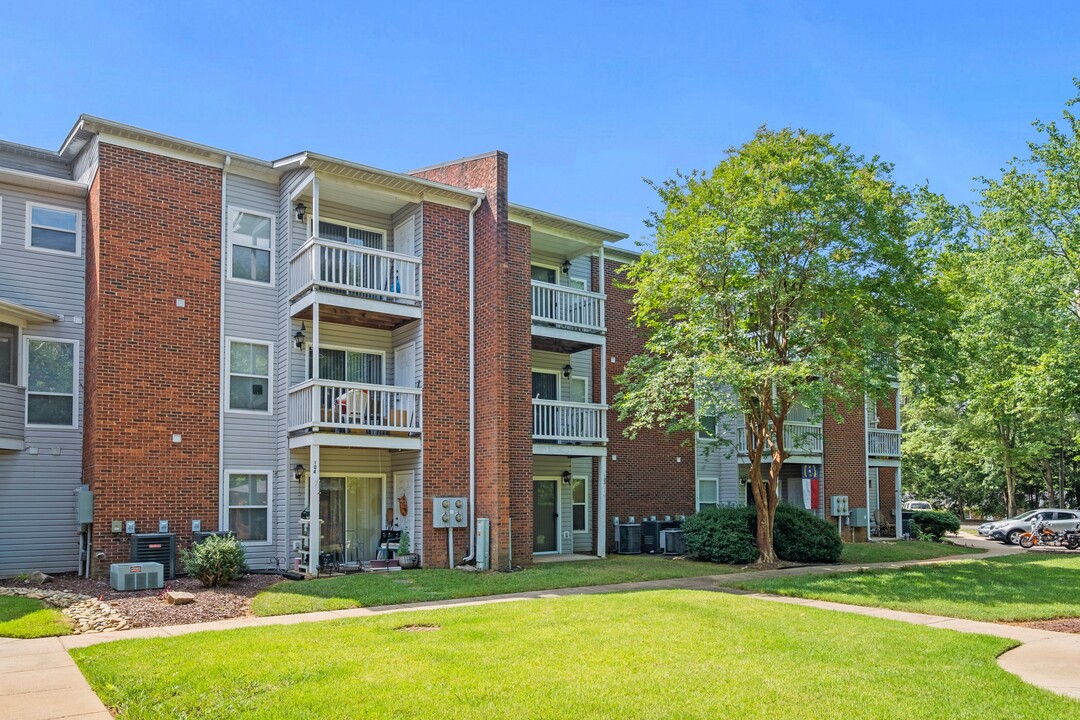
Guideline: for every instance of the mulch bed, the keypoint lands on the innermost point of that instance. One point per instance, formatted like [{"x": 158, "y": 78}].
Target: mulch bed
[
  {"x": 147, "y": 608},
  {"x": 1065, "y": 625}
]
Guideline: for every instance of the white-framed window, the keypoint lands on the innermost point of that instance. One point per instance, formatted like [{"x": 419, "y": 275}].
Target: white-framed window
[
  {"x": 708, "y": 490},
  {"x": 51, "y": 377},
  {"x": 249, "y": 365},
  {"x": 354, "y": 365},
  {"x": 350, "y": 234},
  {"x": 579, "y": 494},
  {"x": 251, "y": 246},
  {"x": 53, "y": 229},
  {"x": 579, "y": 389},
  {"x": 545, "y": 273},
  {"x": 248, "y": 493},
  {"x": 707, "y": 431},
  {"x": 9, "y": 354}
]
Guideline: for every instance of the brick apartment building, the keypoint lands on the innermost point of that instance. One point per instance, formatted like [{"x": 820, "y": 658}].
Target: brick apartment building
[{"x": 216, "y": 341}]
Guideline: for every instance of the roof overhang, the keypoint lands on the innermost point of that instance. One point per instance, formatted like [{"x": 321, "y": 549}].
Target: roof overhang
[
  {"x": 406, "y": 186},
  {"x": 563, "y": 226},
  {"x": 47, "y": 183},
  {"x": 15, "y": 314}
]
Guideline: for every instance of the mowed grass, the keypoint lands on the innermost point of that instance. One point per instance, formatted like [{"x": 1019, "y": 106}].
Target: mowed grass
[
  {"x": 659, "y": 654},
  {"x": 26, "y": 618},
  {"x": 886, "y": 551},
  {"x": 371, "y": 589},
  {"x": 1030, "y": 586}
]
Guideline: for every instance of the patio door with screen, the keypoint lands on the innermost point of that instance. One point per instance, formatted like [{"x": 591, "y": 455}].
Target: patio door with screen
[
  {"x": 351, "y": 510},
  {"x": 545, "y": 516},
  {"x": 360, "y": 271}
]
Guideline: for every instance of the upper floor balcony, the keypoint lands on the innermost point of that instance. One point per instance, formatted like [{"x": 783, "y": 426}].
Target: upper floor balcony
[
  {"x": 354, "y": 414},
  {"x": 355, "y": 277},
  {"x": 566, "y": 319},
  {"x": 883, "y": 443},
  {"x": 800, "y": 439},
  {"x": 560, "y": 423}
]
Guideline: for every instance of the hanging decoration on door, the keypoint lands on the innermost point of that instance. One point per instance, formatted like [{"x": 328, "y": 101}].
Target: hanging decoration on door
[{"x": 403, "y": 505}]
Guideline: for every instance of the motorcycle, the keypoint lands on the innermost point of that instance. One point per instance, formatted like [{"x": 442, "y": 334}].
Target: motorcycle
[{"x": 1042, "y": 535}]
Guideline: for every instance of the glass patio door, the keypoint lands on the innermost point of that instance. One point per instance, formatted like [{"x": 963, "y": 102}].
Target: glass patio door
[
  {"x": 545, "y": 516},
  {"x": 351, "y": 510}
]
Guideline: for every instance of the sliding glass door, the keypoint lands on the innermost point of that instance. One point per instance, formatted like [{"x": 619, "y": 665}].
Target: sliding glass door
[{"x": 351, "y": 509}]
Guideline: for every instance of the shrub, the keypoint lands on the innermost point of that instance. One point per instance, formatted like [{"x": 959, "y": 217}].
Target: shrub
[
  {"x": 801, "y": 536},
  {"x": 403, "y": 544},
  {"x": 215, "y": 561},
  {"x": 721, "y": 535},
  {"x": 934, "y": 523},
  {"x": 728, "y": 535}
]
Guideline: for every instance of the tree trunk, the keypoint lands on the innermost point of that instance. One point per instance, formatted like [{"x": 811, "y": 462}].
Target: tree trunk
[
  {"x": 766, "y": 551},
  {"x": 1010, "y": 489},
  {"x": 1048, "y": 477}
]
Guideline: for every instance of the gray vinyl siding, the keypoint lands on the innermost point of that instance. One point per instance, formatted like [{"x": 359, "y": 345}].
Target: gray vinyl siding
[
  {"x": 717, "y": 461},
  {"x": 580, "y": 362},
  {"x": 85, "y": 165},
  {"x": 32, "y": 160},
  {"x": 251, "y": 440},
  {"x": 37, "y": 510},
  {"x": 12, "y": 404}
]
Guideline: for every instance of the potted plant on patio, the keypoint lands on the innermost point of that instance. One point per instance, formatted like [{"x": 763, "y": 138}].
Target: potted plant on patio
[{"x": 407, "y": 560}]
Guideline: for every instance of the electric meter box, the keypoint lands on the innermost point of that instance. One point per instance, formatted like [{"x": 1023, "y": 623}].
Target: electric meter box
[
  {"x": 840, "y": 506},
  {"x": 858, "y": 518},
  {"x": 450, "y": 512}
]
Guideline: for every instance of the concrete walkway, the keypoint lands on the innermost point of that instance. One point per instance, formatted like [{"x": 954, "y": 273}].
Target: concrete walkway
[{"x": 39, "y": 680}]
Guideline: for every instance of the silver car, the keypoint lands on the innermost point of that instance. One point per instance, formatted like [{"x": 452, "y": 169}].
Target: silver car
[{"x": 1056, "y": 519}]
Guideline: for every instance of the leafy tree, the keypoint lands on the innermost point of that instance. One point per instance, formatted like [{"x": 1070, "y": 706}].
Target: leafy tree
[{"x": 792, "y": 274}]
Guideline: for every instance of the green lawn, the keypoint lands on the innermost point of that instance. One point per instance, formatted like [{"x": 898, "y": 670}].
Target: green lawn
[
  {"x": 1031, "y": 586},
  {"x": 369, "y": 589},
  {"x": 875, "y": 552},
  {"x": 660, "y": 654},
  {"x": 25, "y": 618}
]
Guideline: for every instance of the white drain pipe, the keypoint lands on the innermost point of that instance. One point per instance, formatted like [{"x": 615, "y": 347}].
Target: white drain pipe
[{"x": 472, "y": 390}]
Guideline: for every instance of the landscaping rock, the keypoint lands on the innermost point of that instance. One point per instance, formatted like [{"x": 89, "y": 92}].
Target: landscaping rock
[
  {"x": 38, "y": 578},
  {"x": 176, "y": 597}
]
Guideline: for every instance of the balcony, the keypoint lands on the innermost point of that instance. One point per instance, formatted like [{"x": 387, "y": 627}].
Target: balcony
[
  {"x": 355, "y": 277},
  {"x": 883, "y": 443},
  {"x": 555, "y": 421},
  {"x": 566, "y": 319},
  {"x": 354, "y": 414},
  {"x": 799, "y": 439}
]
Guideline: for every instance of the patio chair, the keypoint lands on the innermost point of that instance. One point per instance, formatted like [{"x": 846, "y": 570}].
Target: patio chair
[{"x": 884, "y": 525}]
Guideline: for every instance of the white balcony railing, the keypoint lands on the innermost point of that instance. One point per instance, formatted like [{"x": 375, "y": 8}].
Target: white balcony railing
[
  {"x": 354, "y": 269},
  {"x": 799, "y": 439},
  {"x": 884, "y": 443},
  {"x": 354, "y": 406},
  {"x": 568, "y": 307},
  {"x": 555, "y": 421}
]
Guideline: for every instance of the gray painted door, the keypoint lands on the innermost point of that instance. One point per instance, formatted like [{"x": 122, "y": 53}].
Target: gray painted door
[{"x": 545, "y": 516}]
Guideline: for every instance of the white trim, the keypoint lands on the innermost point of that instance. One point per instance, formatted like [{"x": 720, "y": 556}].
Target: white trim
[
  {"x": 24, "y": 375},
  {"x": 226, "y": 390},
  {"x": 17, "y": 377},
  {"x": 588, "y": 503},
  {"x": 541, "y": 263},
  {"x": 29, "y": 225},
  {"x": 558, "y": 515},
  {"x": 269, "y": 502},
  {"x": 698, "y": 479},
  {"x": 233, "y": 211},
  {"x": 588, "y": 386},
  {"x": 313, "y": 232}
]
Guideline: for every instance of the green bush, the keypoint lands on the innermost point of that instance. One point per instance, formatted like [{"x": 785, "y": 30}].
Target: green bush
[
  {"x": 934, "y": 523},
  {"x": 721, "y": 535},
  {"x": 216, "y": 561},
  {"x": 801, "y": 536},
  {"x": 728, "y": 535}
]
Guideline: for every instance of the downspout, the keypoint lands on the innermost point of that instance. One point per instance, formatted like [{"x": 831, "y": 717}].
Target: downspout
[
  {"x": 221, "y": 337},
  {"x": 472, "y": 382}
]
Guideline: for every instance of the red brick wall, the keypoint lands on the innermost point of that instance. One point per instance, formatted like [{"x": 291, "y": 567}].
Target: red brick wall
[
  {"x": 446, "y": 371},
  {"x": 844, "y": 463},
  {"x": 152, "y": 367},
  {"x": 645, "y": 479},
  {"x": 503, "y": 408}
]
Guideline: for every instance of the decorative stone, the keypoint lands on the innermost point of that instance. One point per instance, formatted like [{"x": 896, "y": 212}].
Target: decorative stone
[
  {"x": 37, "y": 577},
  {"x": 175, "y": 597}
]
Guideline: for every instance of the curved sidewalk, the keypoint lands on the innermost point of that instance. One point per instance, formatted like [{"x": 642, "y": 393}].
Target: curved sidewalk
[{"x": 39, "y": 679}]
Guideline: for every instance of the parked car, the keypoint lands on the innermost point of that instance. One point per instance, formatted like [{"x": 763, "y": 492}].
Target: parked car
[
  {"x": 1056, "y": 519},
  {"x": 988, "y": 527},
  {"x": 916, "y": 505}
]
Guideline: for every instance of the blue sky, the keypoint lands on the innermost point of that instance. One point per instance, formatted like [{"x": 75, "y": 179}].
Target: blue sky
[{"x": 587, "y": 97}]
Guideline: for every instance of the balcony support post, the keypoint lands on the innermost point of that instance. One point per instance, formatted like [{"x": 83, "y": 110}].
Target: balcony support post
[{"x": 315, "y": 528}]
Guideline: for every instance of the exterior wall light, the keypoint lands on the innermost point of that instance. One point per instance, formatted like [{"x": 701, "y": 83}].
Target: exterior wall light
[
  {"x": 299, "y": 337},
  {"x": 567, "y": 369},
  {"x": 301, "y": 211}
]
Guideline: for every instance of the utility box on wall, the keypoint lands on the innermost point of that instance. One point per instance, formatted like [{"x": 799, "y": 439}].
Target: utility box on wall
[
  {"x": 840, "y": 506},
  {"x": 858, "y": 518},
  {"x": 450, "y": 512},
  {"x": 84, "y": 506}
]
